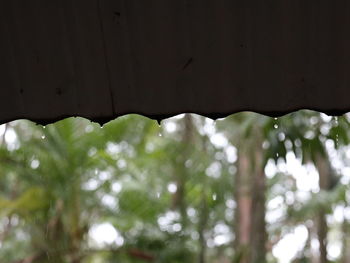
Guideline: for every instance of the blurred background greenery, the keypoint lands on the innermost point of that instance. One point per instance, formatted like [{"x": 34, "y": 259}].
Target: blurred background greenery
[{"x": 244, "y": 189}]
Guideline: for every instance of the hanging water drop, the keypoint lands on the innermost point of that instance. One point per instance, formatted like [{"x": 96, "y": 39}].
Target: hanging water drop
[
  {"x": 336, "y": 140},
  {"x": 337, "y": 135},
  {"x": 44, "y": 127},
  {"x": 43, "y": 137},
  {"x": 275, "y": 126},
  {"x": 160, "y": 134}
]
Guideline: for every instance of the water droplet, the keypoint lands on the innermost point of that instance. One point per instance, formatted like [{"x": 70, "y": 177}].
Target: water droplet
[
  {"x": 44, "y": 127},
  {"x": 160, "y": 134},
  {"x": 43, "y": 137},
  {"x": 277, "y": 155},
  {"x": 336, "y": 140},
  {"x": 276, "y": 119},
  {"x": 275, "y": 126}
]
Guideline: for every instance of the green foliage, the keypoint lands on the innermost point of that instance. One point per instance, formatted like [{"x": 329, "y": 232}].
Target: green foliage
[{"x": 166, "y": 197}]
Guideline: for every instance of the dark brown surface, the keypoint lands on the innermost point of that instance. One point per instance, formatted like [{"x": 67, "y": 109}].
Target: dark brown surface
[{"x": 104, "y": 58}]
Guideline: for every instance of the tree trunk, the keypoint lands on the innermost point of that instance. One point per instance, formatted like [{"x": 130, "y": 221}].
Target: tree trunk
[
  {"x": 258, "y": 234},
  {"x": 201, "y": 229},
  {"x": 322, "y": 228},
  {"x": 181, "y": 176},
  {"x": 244, "y": 208},
  {"x": 204, "y": 214},
  {"x": 250, "y": 232},
  {"x": 322, "y": 236}
]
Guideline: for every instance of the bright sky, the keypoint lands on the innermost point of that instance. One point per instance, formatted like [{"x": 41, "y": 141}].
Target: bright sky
[{"x": 105, "y": 234}]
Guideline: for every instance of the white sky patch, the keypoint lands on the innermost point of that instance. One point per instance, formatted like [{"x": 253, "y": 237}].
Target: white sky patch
[
  {"x": 345, "y": 179},
  {"x": 230, "y": 203},
  {"x": 2, "y": 129},
  {"x": 109, "y": 201},
  {"x": 113, "y": 148},
  {"x": 347, "y": 151},
  {"x": 221, "y": 228},
  {"x": 121, "y": 163},
  {"x": 150, "y": 147},
  {"x": 11, "y": 139},
  {"x": 210, "y": 243},
  {"x": 282, "y": 166},
  {"x": 179, "y": 117},
  {"x": 116, "y": 187},
  {"x": 214, "y": 170},
  {"x": 92, "y": 151},
  {"x": 89, "y": 128},
  {"x": 34, "y": 164},
  {"x": 220, "y": 240},
  {"x": 219, "y": 140},
  {"x": 170, "y": 126},
  {"x": 172, "y": 188},
  {"x": 275, "y": 202},
  {"x": 315, "y": 246},
  {"x": 229, "y": 214},
  {"x": 191, "y": 212},
  {"x": 347, "y": 213},
  {"x": 275, "y": 209},
  {"x": 306, "y": 175},
  {"x": 104, "y": 175},
  {"x": 334, "y": 250},
  {"x": 273, "y": 215},
  {"x": 91, "y": 184},
  {"x": 105, "y": 234},
  {"x": 231, "y": 153},
  {"x": 270, "y": 169},
  {"x": 176, "y": 227},
  {"x": 325, "y": 117},
  {"x": 194, "y": 235},
  {"x": 338, "y": 214},
  {"x": 290, "y": 198},
  {"x": 10, "y": 136},
  {"x": 166, "y": 222},
  {"x": 302, "y": 196},
  {"x": 288, "y": 247},
  {"x": 208, "y": 127},
  {"x": 222, "y": 234}
]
